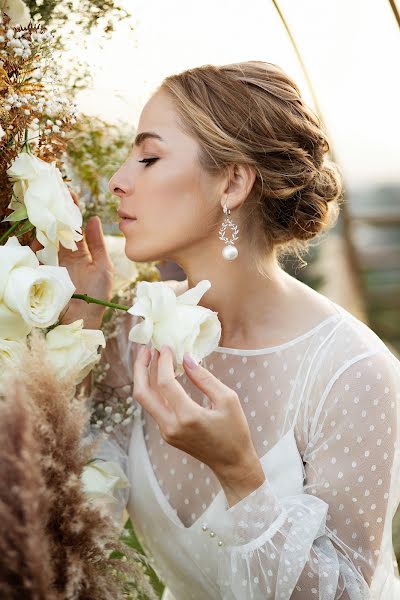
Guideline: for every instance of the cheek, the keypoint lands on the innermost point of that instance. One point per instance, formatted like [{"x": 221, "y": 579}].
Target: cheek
[
  {"x": 170, "y": 194},
  {"x": 173, "y": 211}
]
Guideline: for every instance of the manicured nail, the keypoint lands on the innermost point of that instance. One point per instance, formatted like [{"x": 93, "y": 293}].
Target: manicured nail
[{"x": 189, "y": 361}]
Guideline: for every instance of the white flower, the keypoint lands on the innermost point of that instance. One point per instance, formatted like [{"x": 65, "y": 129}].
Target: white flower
[
  {"x": 72, "y": 347},
  {"x": 10, "y": 356},
  {"x": 175, "y": 321},
  {"x": 40, "y": 189},
  {"x": 102, "y": 482},
  {"x": 2, "y": 132},
  {"x": 125, "y": 270},
  {"x": 31, "y": 295},
  {"x": 17, "y": 11}
]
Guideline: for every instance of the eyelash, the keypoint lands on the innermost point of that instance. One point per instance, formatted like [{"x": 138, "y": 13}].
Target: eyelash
[{"x": 148, "y": 161}]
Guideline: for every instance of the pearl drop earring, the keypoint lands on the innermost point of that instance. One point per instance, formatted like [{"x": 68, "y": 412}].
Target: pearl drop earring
[{"x": 229, "y": 252}]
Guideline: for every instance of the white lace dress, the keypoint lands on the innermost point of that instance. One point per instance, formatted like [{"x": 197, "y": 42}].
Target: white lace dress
[{"x": 324, "y": 414}]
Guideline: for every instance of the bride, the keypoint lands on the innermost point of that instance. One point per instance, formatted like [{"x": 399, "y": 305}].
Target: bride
[{"x": 271, "y": 470}]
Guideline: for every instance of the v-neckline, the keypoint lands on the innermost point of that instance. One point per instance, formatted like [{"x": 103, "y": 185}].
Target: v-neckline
[{"x": 161, "y": 497}]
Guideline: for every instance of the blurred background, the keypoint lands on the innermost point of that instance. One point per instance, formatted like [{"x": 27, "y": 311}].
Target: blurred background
[{"x": 344, "y": 55}]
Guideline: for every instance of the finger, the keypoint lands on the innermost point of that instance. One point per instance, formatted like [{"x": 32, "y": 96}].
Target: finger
[
  {"x": 153, "y": 368},
  {"x": 174, "y": 393},
  {"x": 153, "y": 375},
  {"x": 96, "y": 241},
  {"x": 143, "y": 392},
  {"x": 210, "y": 385}
]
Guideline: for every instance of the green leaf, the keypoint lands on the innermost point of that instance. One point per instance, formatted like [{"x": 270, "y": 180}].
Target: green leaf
[{"x": 18, "y": 215}]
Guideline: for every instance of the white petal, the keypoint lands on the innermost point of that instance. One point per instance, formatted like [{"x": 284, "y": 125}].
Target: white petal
[
  {"x": 48, "y": 255},
  {"x": 162, "y": 298},
  {"x": 13, "y": 255},
  {"x": 141, "y": 308},
  {"x": 193, "y": 295},
  {"x": 142, "y": 332},
  {"x": 12, "y": 325}
]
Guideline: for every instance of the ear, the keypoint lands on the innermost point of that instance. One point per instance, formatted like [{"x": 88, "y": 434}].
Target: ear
[{"x": 239, "y": 182}]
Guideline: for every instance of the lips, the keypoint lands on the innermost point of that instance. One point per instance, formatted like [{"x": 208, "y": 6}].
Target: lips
[{"x": 126, "y": 216}]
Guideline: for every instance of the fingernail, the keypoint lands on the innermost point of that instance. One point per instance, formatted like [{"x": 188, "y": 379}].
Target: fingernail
[
  {"x": 163, "y": 348},
  {"x": 189, "y": 361}
]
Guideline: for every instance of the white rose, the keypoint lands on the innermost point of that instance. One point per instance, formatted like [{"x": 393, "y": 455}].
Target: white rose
[
  {"x": 72, "y": 347},
  {"x": 10, "y": 356},
  {"x": 125, "y": 270},
  {"x": 17, "y": 11},
  {"x": 102, "y": 481},
  {"x": 175, "y": 321},
  {"x": 31, "y": 295},
  {"x": 39, "y": 188}
]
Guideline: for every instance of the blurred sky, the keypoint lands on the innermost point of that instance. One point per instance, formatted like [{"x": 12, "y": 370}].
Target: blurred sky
[{"x": 351, "y": 49}]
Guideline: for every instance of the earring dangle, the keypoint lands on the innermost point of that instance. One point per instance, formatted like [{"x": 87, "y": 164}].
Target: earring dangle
[{"x": 229, "y": 252}]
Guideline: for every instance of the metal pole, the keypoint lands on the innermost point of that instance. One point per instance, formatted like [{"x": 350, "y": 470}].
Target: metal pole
[
  {"x": 395, "y": 10},
  {"x": 350, "y": 250}
]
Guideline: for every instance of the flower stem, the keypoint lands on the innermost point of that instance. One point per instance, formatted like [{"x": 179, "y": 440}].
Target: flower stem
[
  {"x": 27, "y": 227},
  {"x": 9, "y": 231},
  {"x": 91, "y": 300},
  {"x": 26, "y": 146}
]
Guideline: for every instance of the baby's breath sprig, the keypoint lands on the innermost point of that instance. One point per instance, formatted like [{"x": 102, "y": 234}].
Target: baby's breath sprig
[
  {"x": 114, "y": 406},
  {"x": 33, "y": 111}
]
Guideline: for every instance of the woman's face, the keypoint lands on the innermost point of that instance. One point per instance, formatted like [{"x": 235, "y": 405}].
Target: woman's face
[{"x": 171, "y": 203}]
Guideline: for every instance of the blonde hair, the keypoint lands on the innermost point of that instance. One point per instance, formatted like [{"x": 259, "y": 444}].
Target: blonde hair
[{"x": 252, "y": 113}]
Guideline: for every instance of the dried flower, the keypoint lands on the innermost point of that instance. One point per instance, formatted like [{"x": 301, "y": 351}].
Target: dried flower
[{"x": 54, "y": 543}]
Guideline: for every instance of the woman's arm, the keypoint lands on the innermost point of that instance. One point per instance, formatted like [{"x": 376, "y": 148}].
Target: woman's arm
[{"x": 324, "y": 543}]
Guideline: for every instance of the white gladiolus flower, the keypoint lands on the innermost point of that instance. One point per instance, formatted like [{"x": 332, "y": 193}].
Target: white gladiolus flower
[
  {"x": 17, "y": 11},
  {"x": 42, "y": 193},
  {"x": 125, "y": 270},
  {"x": 31, "y": 295},
  {"x": 175, "y": 321},
  {"x": 72, "y": 347}
]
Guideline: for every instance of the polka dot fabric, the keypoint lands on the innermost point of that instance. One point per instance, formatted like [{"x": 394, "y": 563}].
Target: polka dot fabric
[{"x": 338, "y": 388}]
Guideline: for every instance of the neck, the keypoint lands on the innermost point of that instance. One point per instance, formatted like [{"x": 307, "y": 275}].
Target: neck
[{"x": 248, "y": 303}]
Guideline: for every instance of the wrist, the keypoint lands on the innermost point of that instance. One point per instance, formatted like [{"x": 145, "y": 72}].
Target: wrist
[{"x": 240, "y": 481}]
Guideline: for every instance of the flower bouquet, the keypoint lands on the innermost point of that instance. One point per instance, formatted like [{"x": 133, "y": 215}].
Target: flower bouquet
[{"x": 63, "y": 498}]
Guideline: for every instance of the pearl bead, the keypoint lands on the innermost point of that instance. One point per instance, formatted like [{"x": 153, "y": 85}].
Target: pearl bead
[
  {"x": 220, "y": 543},
  {"x": 204, "y": 528},
  {"x": 212, "y": 534},
  {"x": 230, "y": 252}
]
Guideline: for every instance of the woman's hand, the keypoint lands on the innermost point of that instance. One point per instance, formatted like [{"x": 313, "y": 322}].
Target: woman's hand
[
  {"x": 218, "y": 435},
  {"x": 91, "y": 271}
]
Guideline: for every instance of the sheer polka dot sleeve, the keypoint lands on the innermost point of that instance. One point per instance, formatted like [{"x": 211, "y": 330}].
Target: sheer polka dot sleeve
[{"x": 325, "y": 543}]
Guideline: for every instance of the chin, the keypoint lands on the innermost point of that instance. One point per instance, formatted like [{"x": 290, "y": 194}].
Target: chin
[{"x": 142, "y": 254}]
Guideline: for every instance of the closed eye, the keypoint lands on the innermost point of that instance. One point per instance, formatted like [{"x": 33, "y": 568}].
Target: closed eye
[{"x": 148, "y": 161}]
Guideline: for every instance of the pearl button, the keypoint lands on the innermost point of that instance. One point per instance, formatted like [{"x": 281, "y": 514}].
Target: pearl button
[
  {"x": 220, "y": 543},
  {"x": 204, "y": 528},
  {"x": 212, "y": 534},
  {"x": 230, "y": 252}
]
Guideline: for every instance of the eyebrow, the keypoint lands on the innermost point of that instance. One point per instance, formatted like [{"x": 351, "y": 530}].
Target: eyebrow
[{"x": 139, "y": 139}]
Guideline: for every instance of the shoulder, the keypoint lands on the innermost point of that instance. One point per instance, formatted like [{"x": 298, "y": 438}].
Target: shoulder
[
  {"x": 354, "y": 359},
  {"x": 351, "y": 339}
]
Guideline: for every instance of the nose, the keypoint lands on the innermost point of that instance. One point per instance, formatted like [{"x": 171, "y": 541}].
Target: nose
[
  {"x": 114, "y": 187},
  {"x": 119, "y": 184}
]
